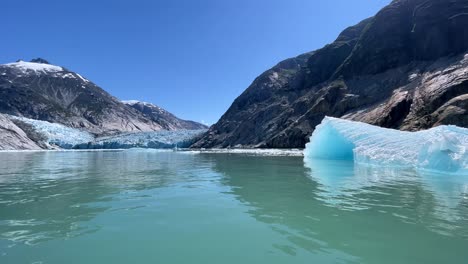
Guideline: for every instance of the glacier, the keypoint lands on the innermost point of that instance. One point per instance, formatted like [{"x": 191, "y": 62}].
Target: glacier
[
  {"x": 440, "y": 149},
  {"x": 57, "y": 134},
  {"x": 155, "y": 139}
]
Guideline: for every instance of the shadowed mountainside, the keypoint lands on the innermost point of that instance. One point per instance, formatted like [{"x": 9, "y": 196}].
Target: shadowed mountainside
[{"x": 404, "y": 68}]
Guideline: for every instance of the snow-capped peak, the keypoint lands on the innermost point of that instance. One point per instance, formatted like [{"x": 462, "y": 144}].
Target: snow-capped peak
[
  {"x": 40, "y": 66},
  {"x": 34, "y": 67},
  {"x": 134, "y": 102},
  {"x": 150, "y": 105}
]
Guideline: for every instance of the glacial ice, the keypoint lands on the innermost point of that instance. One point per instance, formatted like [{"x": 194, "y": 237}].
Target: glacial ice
[
  {"x": 443, "y": 148},
  {"x": 72, "y": 138},
  {"x": 57, "y": 134},
  {"x": 156, "y": 139}
]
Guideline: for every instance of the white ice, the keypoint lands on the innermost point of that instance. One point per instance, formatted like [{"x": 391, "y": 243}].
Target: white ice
[
  {"x": 34, "y": 67},
  {"x": 442, "y": 149},
  {"x": 156, "y": 140},
  {"x": 57, "y": 134},
  {"x": 72, "y": 138}
]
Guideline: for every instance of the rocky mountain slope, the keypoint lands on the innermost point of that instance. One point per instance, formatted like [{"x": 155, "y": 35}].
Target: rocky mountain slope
[
  {"x": 404, "y": 68},
  {"x": 13, "y": 137},
  {"x": 52, "y": 93},
  {"x": 42, "y": 91},
  {"x": 167, "y": 120}
]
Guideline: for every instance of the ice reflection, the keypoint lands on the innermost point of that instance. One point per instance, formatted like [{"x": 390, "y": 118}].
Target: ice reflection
[
  {"x": 350, "y": 186},
  {"x": 342, "y": 208}
]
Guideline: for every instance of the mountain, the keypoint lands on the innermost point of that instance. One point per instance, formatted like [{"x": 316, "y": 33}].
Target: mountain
[
  {"x": 39, "y": 90},
  {"x": 167, "y": 120},
  {"x": 404, "y": 68},
  {"x": 13, "y": 137}
]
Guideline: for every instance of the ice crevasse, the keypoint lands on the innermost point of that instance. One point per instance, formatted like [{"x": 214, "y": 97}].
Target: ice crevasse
[{"x": 443, "y": 148}]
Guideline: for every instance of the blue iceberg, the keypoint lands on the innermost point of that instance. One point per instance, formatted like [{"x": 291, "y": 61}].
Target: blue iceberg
[{"x": 442, "y": 149}]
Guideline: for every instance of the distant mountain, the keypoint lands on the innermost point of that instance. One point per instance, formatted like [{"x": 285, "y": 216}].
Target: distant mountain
[
  {"x": 42, "y": 91},
  {"x": 405, "y": 68},
  {"x": 167, "y": 120}
]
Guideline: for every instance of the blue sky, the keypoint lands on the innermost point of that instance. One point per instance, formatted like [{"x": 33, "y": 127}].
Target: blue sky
[{"x": 192, "y": 57}]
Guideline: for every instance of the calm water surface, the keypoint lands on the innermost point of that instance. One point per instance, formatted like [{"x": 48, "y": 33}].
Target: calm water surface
[{"x": 142, "y": 206}]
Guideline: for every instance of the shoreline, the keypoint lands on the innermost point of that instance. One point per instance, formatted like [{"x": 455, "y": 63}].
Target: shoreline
[{"x": 260, "y": 152}]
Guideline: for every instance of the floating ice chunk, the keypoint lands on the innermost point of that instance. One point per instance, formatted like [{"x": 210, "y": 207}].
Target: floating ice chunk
[{"x": 442, "y": 148}]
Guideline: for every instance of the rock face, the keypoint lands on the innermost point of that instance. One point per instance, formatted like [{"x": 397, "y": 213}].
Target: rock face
[
  {"x": 13, "y": 138},
  {"x": 167, "y": 120},
  {"x": 41, "y": 91},
  {"x": 405, "y": 68}
]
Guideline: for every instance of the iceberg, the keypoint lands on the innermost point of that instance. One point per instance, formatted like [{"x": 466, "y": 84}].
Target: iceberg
[{"x": 441, "y": 149}]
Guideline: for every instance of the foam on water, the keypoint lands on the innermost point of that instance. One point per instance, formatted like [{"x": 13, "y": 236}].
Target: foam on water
[
  {"x": 251, "y": 152},
  {"x": 442, "y": 149}
]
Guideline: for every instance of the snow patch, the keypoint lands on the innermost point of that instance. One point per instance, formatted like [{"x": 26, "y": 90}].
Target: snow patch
[
  {"x": 134, "y": 102},
  {"x": 82, "y": 78},
  {"x": 130, "y": 102},
  {"x": 68, "y": 75},
  {"x": 34, "y": 67},
  {"x": 413, "y": 76},
  {"x": 274, "y": 76},
  {"x": 443, "y": 148}
]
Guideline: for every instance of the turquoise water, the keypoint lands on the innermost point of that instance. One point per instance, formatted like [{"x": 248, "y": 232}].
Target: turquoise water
[{"x": 142, "y": 206}]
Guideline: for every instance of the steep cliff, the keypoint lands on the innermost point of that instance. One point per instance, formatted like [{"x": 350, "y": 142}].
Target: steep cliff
[{"x": 404, "y": 68}]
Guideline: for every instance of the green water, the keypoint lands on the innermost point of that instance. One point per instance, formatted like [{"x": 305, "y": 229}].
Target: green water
[{"x": 170, "y": 207}]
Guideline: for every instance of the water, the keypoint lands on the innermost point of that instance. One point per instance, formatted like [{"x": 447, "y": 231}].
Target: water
[{"x": 143, "y": 206}]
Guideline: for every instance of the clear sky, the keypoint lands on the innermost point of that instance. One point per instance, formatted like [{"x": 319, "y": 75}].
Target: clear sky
[{"x": 191, "y": 57}]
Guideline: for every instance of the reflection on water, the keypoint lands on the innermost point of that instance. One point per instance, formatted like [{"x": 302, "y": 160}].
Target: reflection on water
[
  {"x": 44, "y": 195},
  {"x": 186, "y": 207},
  {"x": 377, "y": 215},
  {"x": 343, "y": 183}
]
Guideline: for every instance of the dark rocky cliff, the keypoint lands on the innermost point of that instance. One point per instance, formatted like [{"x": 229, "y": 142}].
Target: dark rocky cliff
[{"x": 405, "y": 68}]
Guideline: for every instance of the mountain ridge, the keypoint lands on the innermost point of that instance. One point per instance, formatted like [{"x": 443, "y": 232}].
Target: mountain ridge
[
  {"x": 404, "y": 68},
  {"x": 167, "y": 120},
  {"x": 42, "y": 91}
]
